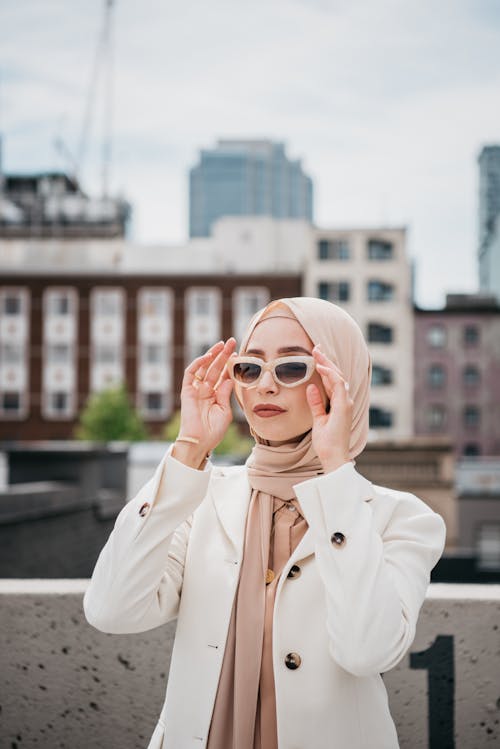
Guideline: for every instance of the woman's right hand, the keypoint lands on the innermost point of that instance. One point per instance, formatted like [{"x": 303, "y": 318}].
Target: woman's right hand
[{"x": 205, "y": 403}]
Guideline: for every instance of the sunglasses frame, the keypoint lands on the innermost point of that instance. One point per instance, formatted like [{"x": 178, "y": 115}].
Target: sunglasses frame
[{"x": 270, "y": 366}]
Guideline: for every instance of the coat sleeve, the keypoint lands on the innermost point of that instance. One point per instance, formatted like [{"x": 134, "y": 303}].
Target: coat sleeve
[
  {"x": 375, "y": 582},
  {"x": 137, "y": 579}
]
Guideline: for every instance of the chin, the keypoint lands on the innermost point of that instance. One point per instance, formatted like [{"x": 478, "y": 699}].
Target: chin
[{"x": 278, "y": 432}]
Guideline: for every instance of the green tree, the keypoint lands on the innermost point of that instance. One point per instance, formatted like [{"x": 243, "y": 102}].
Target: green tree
[
  {"x": 233, "y": 443},
  {"x": 108, "y": 416}
]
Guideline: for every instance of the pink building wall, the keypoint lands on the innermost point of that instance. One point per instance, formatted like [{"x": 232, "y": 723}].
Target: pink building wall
[{"x": 454, "y": 396}]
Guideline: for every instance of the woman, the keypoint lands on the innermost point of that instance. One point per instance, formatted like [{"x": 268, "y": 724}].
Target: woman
[{"x": 295, "y": 581}]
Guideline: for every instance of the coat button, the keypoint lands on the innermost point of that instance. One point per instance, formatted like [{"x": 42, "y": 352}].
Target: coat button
[
  {"x": 338, "y": 539},
  {"x": 294, "y": 571},
  {"x": 293, "y": 660},
  {"x": 144, "y": 509}
]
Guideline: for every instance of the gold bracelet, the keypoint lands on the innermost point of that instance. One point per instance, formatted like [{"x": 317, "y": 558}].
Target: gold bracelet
[{"x": 191, "y": 440}]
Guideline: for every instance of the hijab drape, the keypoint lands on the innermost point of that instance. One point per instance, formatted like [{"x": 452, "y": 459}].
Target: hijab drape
[{"x": 244, "y": 715}]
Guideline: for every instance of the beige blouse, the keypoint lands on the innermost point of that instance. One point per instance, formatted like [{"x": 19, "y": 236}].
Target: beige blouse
[{"x": 287, "y": 527}]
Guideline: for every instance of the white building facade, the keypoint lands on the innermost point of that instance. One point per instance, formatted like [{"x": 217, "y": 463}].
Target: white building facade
[{"x": 367, "y": 273}]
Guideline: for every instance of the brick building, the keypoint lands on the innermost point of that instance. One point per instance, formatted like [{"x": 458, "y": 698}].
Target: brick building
[
  {"x": 63, "y": 337},
  {"x": 457, "y": 373}
]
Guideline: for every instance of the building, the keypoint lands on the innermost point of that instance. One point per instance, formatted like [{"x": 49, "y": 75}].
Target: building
[
  {"x": 489, "y": 220},
  {"x": 51, "y": 205},
  {"x": 367, "y": 272},
  {"x": 489, "y": 261},
  {"x": 478, "y": 489},
  {"x": 247, "y": 178},
  {"x": 457, "y": 373},
  {"x": 64, "y": 336}
]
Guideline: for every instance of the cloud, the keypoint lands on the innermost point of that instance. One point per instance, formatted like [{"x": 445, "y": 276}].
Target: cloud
[{"x": 387, "y": 104}]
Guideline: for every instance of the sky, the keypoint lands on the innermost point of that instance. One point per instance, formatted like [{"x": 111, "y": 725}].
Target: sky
[{"x": 386, "y": 102}]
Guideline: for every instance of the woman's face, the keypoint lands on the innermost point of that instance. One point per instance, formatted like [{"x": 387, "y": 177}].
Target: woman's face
[{"x": 290, "y": 415}]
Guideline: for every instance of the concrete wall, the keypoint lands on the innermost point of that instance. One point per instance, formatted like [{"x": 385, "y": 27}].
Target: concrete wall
[
  {"x": 60, "y": 507},
  {"x": 63, "y": 684}
]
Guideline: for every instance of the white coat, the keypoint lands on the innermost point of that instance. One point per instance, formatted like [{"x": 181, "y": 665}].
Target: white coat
[{"x": 176, "y": 551}]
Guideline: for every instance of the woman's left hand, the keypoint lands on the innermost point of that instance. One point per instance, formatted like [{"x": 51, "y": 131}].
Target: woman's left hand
[{"x": 331, "y": 432}]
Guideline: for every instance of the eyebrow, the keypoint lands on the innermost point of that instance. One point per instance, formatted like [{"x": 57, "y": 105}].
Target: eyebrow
[{"x": 283, "y": 350}]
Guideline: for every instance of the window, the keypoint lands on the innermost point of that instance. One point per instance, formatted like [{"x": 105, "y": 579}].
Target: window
[
  {"x": 333, "y": 249},
  {"x": 153, "y": 402},
  {"x": 153, "y": 302},
  {"x": 471, "y": 449},
  {"x": 334, "y": 291},
  {"x": 59, "y": 304},
  {"x": 436, "y": 336},
  {"x": 471, "y": 335},
  {"x": 154, "y": 354},
  {"x": 247, "y": 300},
  {"x": 108, "y": 302},
  {"x": 250, "y": 304},
  {"x": 59, "y": 402},
  {"x": 436, "y": 376},
  {"x": 436, "y": 417},
  {"x": 488, "y": 547},
  {"x": 201, "y": 304},
  {"x": 203, "y": 319},
  {"x": 379, "y": 250},
  {"x": 471, "y": 375},
  {"x": 379, "y": 333},
  {"x": 379, "y": 418},
  {"x": 378, "y": 291},
  {"x": 471, "y": 416},
  {"x": 58, "y": 353},
  {"x": 12, "y": 304},
  {"x": 11, "y": 353},
  {"x": 381, "y": 375},
  {"x": 11, "y": 403},
  {"x": 107, "y": 354}
]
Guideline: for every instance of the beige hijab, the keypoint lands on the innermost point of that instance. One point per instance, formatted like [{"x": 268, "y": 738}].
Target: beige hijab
[
  {"x": 244, "y": 714},
  {"x": 342, "y": 341}
]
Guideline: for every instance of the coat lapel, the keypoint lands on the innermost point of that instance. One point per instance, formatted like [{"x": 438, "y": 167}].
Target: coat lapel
[{"x": 230, "y": 493}]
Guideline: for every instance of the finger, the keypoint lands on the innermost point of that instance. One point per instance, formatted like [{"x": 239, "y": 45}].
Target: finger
[
  {"x": 216, "y": 367},
  {"x": 223, "y": 393},
  {"x": 199, "y": 377},
  {"x": 321, "y": 358},
  {"x": 224, "y": 375},
  {"x": 205, "y": 358},
  {"x": 333, "y": 382},
  {"x": 315, "y": 401},
  {"x": 201, "y": 363}
]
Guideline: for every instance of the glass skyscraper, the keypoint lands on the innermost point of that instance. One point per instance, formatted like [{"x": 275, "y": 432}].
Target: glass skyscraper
[
  {"x": 489, "y": 220},
  {"x": 246, "y": 178}
]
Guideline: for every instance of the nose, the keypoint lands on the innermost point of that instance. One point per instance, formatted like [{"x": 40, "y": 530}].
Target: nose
[{"x": 267, "y": 384}]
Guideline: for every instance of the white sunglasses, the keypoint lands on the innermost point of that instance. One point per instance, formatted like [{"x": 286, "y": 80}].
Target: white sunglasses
[{"x": 288, "y": 371}]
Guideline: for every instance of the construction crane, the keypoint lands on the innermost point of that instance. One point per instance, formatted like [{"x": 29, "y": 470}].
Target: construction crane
[{"x": 99, "y": 93}]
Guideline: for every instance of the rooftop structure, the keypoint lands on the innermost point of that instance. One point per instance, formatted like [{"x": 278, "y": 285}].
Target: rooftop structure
[
  {"x": 247, "y": 178},
  {"x": 52, "y": 204}
]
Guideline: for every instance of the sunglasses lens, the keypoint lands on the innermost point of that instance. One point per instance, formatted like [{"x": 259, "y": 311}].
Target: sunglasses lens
[
  {"x": 291, "y": 372},
  {"x": 246, "y": 372}
]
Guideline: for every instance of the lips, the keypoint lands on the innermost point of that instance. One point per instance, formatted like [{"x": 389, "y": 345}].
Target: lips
[{"x": 266, "y": 410}]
